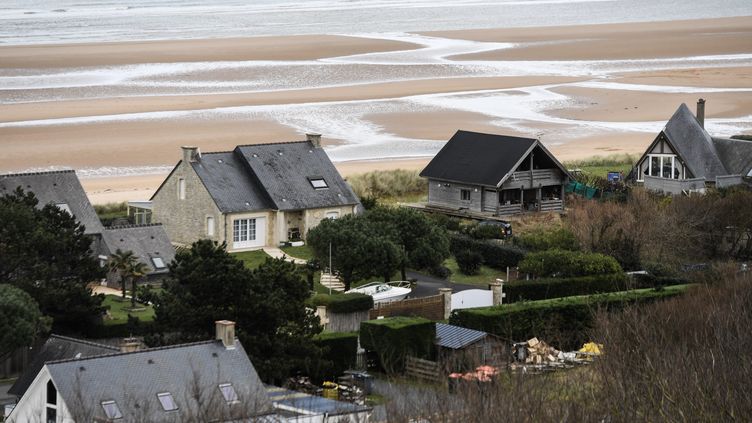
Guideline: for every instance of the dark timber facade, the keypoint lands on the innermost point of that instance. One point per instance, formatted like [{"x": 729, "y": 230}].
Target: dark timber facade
[{"x": 496, "y": 175}]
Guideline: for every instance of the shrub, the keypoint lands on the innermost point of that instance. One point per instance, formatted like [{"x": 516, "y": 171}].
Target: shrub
[
  {"x": 388, "y": 183},
  {"x": 542, "y": 239},
  {"x": 541, "y": 289},
  {"x": 563, "y": 321},
  {"x": 484, "y": 231},
  {"x": 494, "y": 254},
  {"x": 446, "y": 222},
  {"x": 568, "y": 263},
  {"x": 342, "y": 303},
  {"x": 469, "y": 262},
  {"x": 340, "y": 349},
  {"x": 441, "y": 272},
  {"x": 394, "y": 338}
]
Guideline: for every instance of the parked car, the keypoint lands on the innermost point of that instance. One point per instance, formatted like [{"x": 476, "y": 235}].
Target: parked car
[{"x": 504, "y": 226}]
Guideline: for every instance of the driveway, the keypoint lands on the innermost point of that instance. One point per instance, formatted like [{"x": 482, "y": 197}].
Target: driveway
[{"x": 429, "y": 285}]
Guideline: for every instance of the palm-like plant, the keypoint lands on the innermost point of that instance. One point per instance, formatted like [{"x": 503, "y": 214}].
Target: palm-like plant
[
  {"x": 120, "y": 263},
  {"x": 136, "y": 271}
]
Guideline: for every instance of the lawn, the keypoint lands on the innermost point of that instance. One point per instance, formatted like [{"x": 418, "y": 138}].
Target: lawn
[
  {"x": 119, "y": 310},
  {"x": 252, "y": 259},
  {"x": 305, "y": 252},
  {"x": 483, "y": 278}
]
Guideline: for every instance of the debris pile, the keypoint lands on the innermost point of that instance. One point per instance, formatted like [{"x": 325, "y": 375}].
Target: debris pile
[
  {"x": 536, "y": 355},
  {"x": 481, "y": 374}
]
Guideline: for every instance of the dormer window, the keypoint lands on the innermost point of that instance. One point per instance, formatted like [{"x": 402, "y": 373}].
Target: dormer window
[
  {"x": 318, "y": 183},
  {"x": 158, "y": 263},
  {"x": 228, "y": 392},
  {"x": 111, "y": 410},
  {"x": 168, "y": 403}
]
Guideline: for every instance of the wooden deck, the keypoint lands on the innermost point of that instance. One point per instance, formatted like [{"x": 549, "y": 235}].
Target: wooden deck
[{"x": 468, "y": 214}]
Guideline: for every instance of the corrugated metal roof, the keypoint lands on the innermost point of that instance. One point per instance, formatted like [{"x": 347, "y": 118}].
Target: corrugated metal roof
[
  {"x": 311, "y": 404},
  {"x": 455, "y": 337}
]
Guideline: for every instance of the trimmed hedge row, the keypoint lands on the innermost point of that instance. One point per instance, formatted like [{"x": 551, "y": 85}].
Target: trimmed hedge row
[
  {"x": 564, "y": 322},
  {"x": 341, "y": 349},
  {"x": 565, "y": 263},
  {"x": 343, "y": 303},
  {"x": 394, "y": 338},
  {"x": 542, "y": 289},
  {"x": 495, "y": 255}
]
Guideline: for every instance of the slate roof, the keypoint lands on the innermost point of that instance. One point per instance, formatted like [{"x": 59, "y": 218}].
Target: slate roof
[
  {"x": 272, "y": 176},
  {"x": 145, "y": 241},
  {"x": 736, "y": 155},
  {"x": 134, "y": 379},
  {"x": 57, "y": 347},
  {"x": 693, "y": 144},
  {"x": 60, "y": 186},
  {"x": 285, "y": 169},
  {"x": 455, "y": 337},
  {"x": 476, "y": 158},
  {"x": 227, "y": 178}
]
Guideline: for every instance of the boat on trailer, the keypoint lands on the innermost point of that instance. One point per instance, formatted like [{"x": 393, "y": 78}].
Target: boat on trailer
[{"x": 384, "y": 292}]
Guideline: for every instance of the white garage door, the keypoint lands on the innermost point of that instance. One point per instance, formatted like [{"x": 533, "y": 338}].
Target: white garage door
[{"x": 248, "y": 233}]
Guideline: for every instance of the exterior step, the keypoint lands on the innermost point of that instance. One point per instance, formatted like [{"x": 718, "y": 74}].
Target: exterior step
[{"x": 332, "y": 282}]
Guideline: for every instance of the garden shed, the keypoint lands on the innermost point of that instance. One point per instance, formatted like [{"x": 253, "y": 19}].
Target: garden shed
[{"x": 461, "y": 349}]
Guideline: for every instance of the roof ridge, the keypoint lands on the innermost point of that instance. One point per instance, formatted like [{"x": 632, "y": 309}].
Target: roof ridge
[
  {"x": 119, "y": 353},
  {"x": 498, "y": 135},
  {"x": 131, "y": 226},
  {"x": 45, "y": 172},
  {"x": 272, "y": 143},
  {"x": 83, "y": 341}
]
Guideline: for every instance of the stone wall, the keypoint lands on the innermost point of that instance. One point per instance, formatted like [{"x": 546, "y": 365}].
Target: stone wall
[{"x": 185, "y": 220}]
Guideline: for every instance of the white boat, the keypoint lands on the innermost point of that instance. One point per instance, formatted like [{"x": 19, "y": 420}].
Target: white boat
[{"x": 384, "y": 292}]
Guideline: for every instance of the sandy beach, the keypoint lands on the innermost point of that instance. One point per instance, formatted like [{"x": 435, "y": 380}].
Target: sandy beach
[{"x": 119, "y": 112}]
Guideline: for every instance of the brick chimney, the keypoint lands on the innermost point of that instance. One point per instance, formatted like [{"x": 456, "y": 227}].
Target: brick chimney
[
  {"x": 226, "y": 333},
  {"x": 315, "y": 139},
  {"x": 701, "y": 112},
  {"x": 190, "y": 154},
  {"x": 130, "y": 345}
]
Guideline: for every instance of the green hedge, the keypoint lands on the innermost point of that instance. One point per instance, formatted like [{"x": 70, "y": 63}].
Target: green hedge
[
  {"x": 541, "y": 289},
  {"x": 565, "y": 263},
  {"x": 343, "y": 303},
  {"x": 564, "y": 322},
  {"x": 394, "y": 338},
  {"x": 340, "y": 348},
  {"x": 495, "y": 254},
  {"x": 651, "y": 281}
]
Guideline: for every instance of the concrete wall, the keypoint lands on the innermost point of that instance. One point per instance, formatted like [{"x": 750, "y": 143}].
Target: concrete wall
[
  {"x": 728, "y": 181},
  {"x": 674, "y": 186},
  {"x": 447, "y": 194},
  {"x": 185, "y": 220}
]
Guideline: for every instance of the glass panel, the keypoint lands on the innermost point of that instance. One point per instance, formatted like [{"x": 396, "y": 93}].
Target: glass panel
[
  {"x": 236, "y": 230},
  {"x": 64, "y": 207},
  {"x": 677, "y": 169},
  {"x": 332, "y": 215},
  {"x": 51, "y": 415},
  {"x": 111, "y": 410},
  {"x": 158, "y": 262},
  {"x": 210, "y": 226},
  {"x": 51, "y": 393},
  {"x": 168, "y": 404},
  {"x": 655, "y": 166},
  {"x": 666, "y": 167},
  {"x": 251, "y": 229},
  {"x": 228, "y": 392},
  {"x": 319, "y": 183}
]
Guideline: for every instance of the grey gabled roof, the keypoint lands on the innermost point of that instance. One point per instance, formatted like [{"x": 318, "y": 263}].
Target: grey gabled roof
[
  {"x": 477, "y": 158},
  {"x": 227, "y": 178},
  {"x": 134, "y": 379},
  {"x": 284, "y": 171},
  {"x": 736, "y": 155},
  {"x": 60, "y": 186},
  {"x": 693, "y": 144},
  {"x": 56, "y": 347},
  {"x": 455, "y": 337},
  {"x": 145, "y": 241}
]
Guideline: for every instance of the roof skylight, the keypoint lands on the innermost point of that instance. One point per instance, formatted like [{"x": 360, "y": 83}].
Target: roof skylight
[
  {"x": 168, "y": 403},
  {"x": 318, "y": 183},
  {"x": 111, "y": 410},
  {"x": 158, "y": 262},
  {"x": 228, "y": 392}
]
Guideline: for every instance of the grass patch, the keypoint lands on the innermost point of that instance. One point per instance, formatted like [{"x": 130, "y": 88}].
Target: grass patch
[
  {"x": 601, "y": 165},
  {"x": 252, "y": 259},
  {"x": 303, "y": 252},
  {"x": 119, "y": 310},
  {"x": 485, "y": 276}
]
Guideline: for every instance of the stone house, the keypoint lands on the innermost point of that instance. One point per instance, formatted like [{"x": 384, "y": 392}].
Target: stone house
[
  {"x": 253, "y": 196},
  {"x": 487, "y": 174},
  {"x": 684, "y": 158}
]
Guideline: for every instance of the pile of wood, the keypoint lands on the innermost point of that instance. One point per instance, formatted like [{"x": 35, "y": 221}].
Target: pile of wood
[{"x": 539, "y": 352}]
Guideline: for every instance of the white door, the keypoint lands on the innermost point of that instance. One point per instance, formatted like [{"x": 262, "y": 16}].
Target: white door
[{"x": 248, "y": 232}]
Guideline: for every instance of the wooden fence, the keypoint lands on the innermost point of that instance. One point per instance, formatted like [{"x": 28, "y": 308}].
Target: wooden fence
[
  {"x": 429, "y": 307},
  {"x": 418, "y": 368}
]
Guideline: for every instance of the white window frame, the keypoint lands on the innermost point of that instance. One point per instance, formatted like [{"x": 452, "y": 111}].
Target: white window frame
[
  {"x": 171, "y": 400},
  {"x": 64, "y": 207},
  {"x": 334, "y": 214},
  {"x": 181, "y": 188},
  {"x": 469, "y": 194},
  {"x": 230, "y": 397},
  {"x": 210, "y": 227},
  {"x": 118, "y": 415},
  {"x": 244, "y": 232},
  {"x": 156, "y": 264},
  {"x": 318, "y": 183},
  {"x": 649, "y": 160}
]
